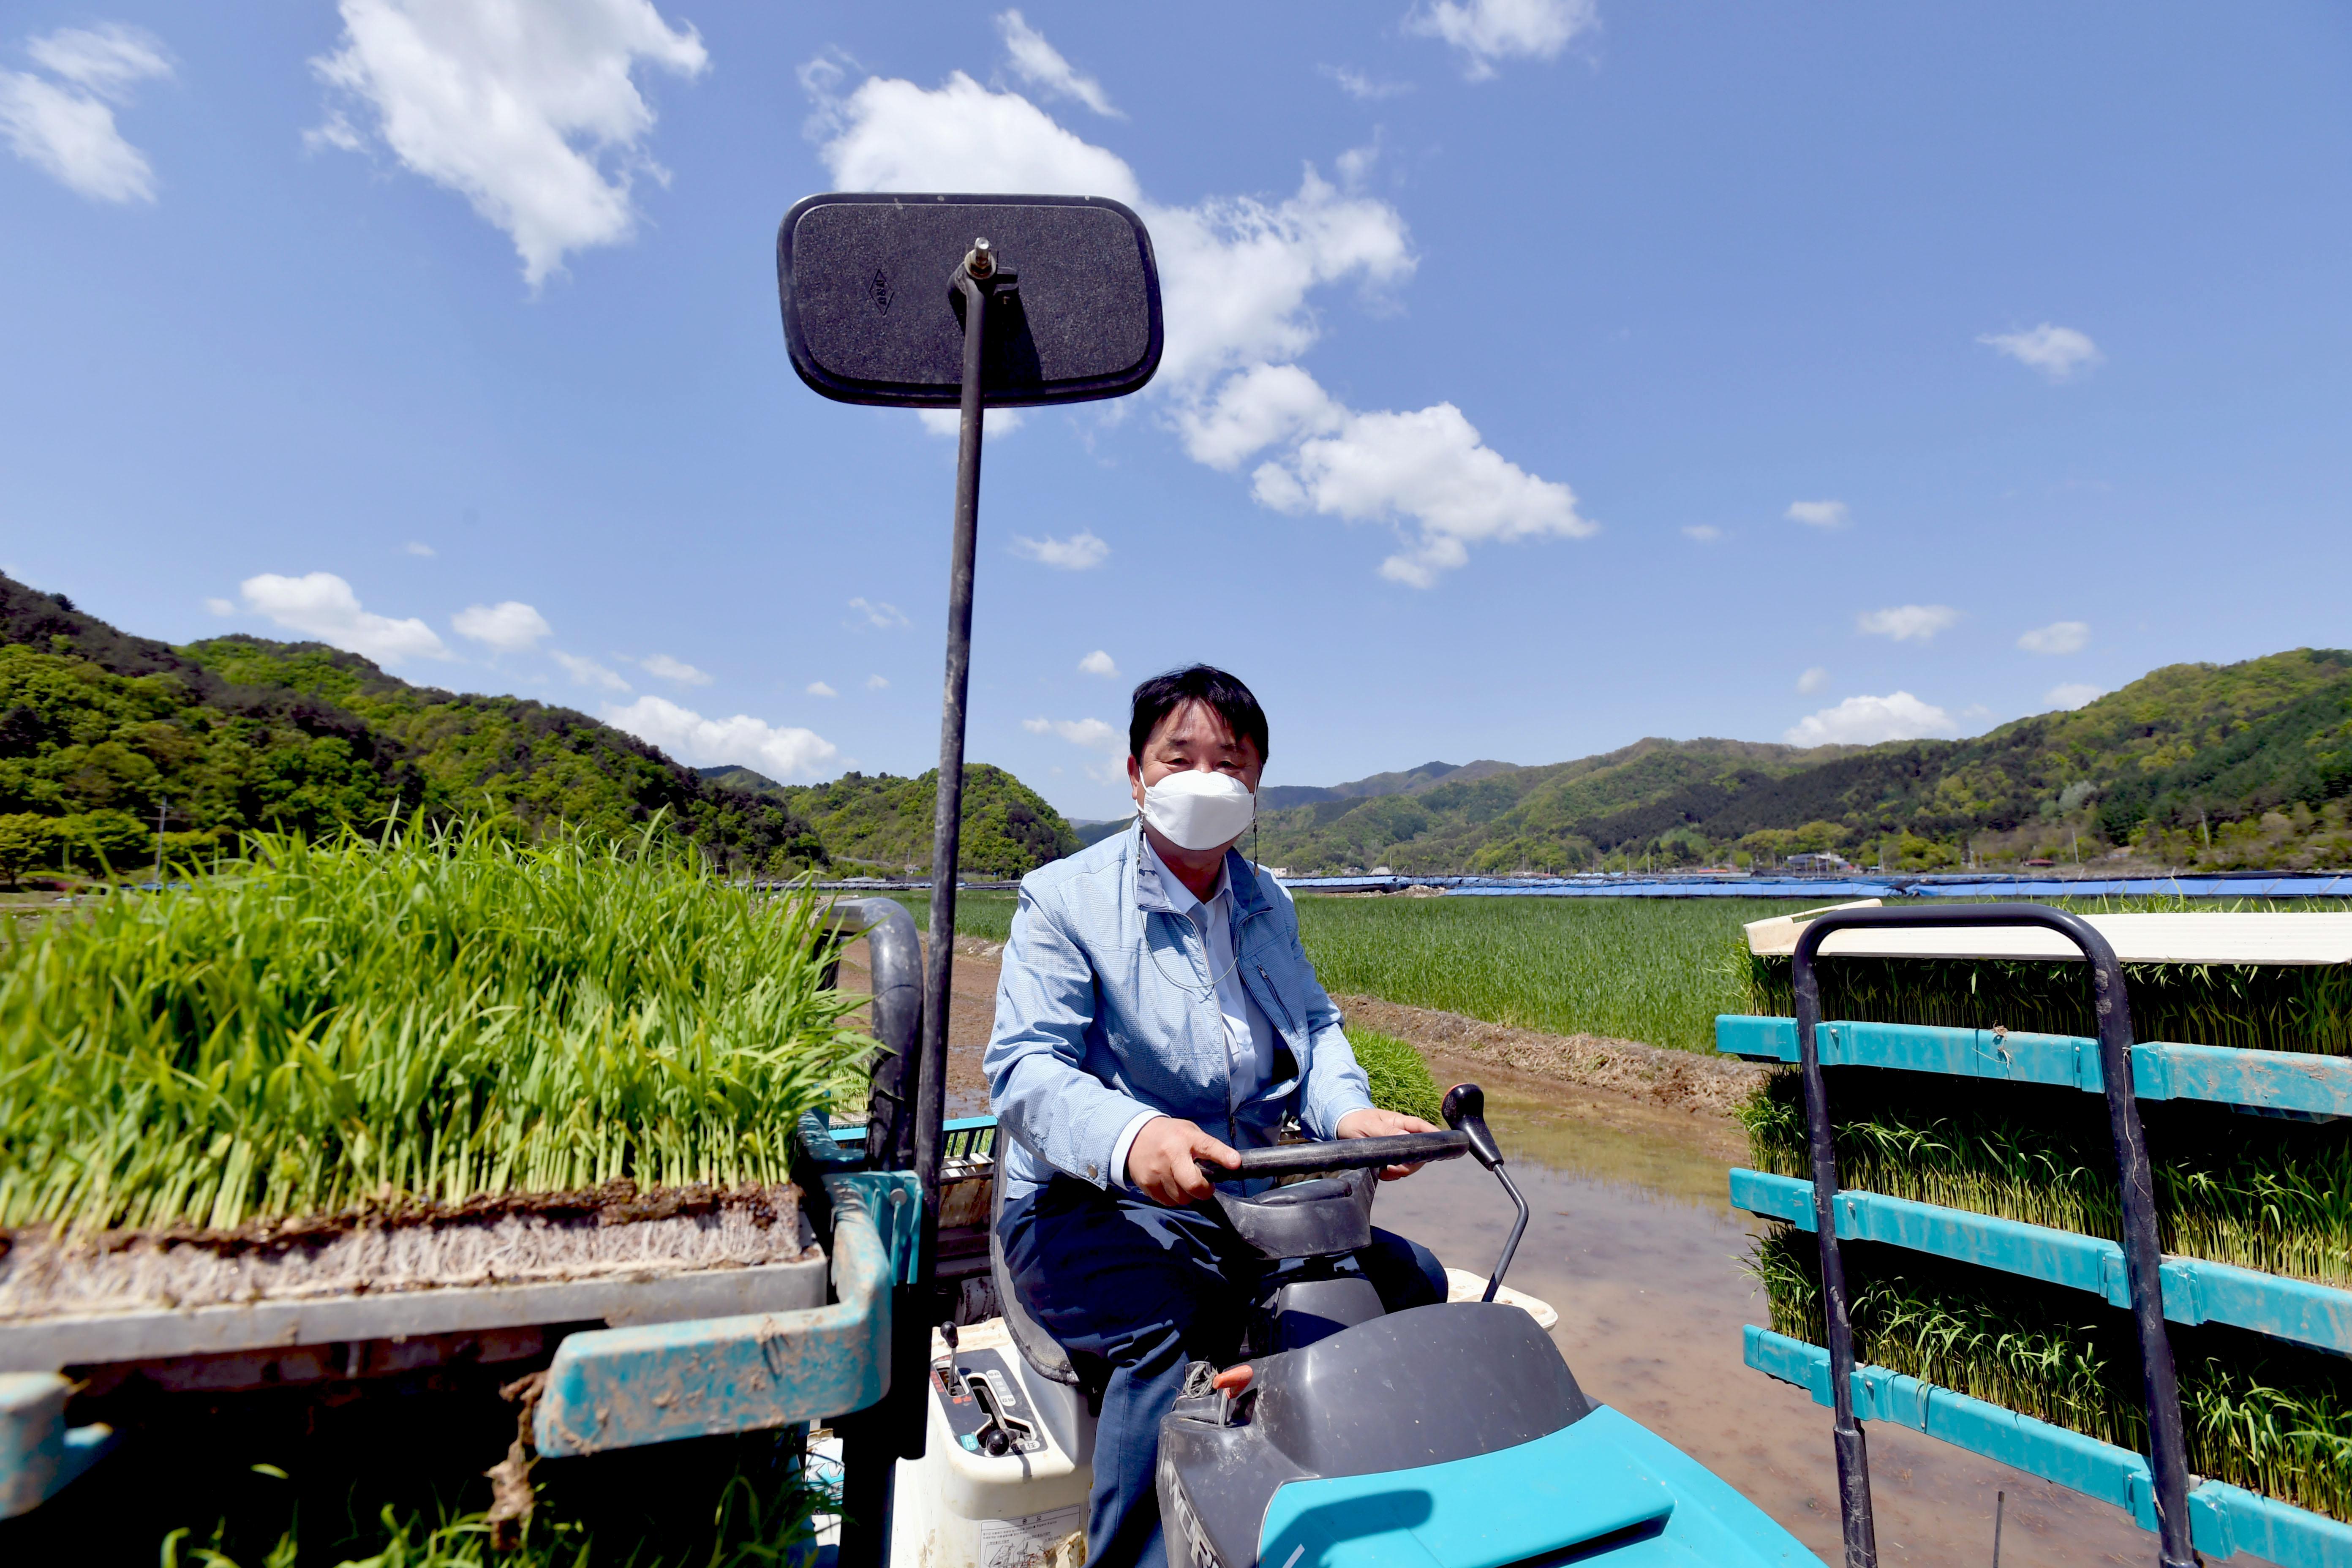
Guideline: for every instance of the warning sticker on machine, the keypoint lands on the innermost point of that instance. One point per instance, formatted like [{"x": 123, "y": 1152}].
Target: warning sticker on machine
[{"x": 1053, "y": 1539}]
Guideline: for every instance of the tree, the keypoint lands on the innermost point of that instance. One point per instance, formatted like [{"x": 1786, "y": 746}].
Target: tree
[
  {"x": 108, "y": 838},
  {"x": 26, "y": 841}
]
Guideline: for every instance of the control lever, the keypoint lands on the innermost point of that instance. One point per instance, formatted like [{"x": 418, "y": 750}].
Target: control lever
[{"x": 1464, "y": 1109}]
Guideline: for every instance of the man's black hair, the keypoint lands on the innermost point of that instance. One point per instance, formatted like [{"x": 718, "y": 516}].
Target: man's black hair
[{"x": 1225, "y": 695}]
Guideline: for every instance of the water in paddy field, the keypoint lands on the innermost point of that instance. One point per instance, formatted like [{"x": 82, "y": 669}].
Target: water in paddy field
[{"x": 1633, "y": 1240}]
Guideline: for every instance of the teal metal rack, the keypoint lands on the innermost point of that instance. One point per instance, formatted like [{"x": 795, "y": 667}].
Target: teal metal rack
[{"x": 2224, "y": 1518}]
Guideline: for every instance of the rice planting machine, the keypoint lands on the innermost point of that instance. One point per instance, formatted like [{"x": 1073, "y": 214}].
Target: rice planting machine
[{"x": 2160, "y": 1294}]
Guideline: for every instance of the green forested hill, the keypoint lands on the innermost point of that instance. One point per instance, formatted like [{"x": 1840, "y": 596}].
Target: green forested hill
[
  {"x": 883, "y": 824},
  {"x": 2238, "y": 765},
  {"x": 98, "y": 729}
]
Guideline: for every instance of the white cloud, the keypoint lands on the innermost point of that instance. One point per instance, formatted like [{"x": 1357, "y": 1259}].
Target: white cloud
[
  {"x": 105, "y": 60},
  {"x": 949, "y": 422},
  {"x": 880, "y": 613},
  {"x": 1098, "y": 663},
  {"x": 819, "y": 688},
  {"x": 1812, "y": 680},
  {"x": 588, "y": 672},
  {"x": 1088, "y": 734},
  {"x": 220, "y": 606},
  {"x": 510, "y": 626},
  {"x": 1817, "y": 513},
  {"x": 1361, "y": 88},
  {"x": 891, "y": 135},
  {"x": 525, "y": 108},
  {"x": 68, "y": 130},
  {"x": 1091, "y": 734},
  {"x": 661, "y": 667},
  {"x": 2058, "y": 637},
  {"x": 322, "y": 607},
  {"x": 1265, "y": 406},
  {"x": 417, "y": 547},
  {"x": 1867, "y": 721},
  {"x": 1486, "y": 31},
  {"x": 1079, "y": 552},
  {"x": 878, "y": 683},
  {"x": 2056, "y": 351},
  {"x": 1041, "y": 65},
  {"x": 2072, "y": 695},
  {"x": 1705, "y": 532},
  {"x": 1238, "y": 273},
  {"x": 777, "y": 751},
  {"x": 1430, "y": 473},
  {"x": 1908, "y": 623}
]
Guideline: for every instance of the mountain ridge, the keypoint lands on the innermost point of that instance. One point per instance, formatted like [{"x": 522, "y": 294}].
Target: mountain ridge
[{"x": 2246, "y": 765}]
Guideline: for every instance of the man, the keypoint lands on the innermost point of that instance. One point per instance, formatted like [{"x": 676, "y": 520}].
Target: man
[{"x": 1157, "y": 1011}]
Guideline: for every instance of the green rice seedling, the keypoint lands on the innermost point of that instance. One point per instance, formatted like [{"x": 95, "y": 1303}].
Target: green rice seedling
[
  {"x": 2261, "y": 1193},
  {"x": 429, "y": 1016},
  {"x": 764, "y": 1518},
  {"x": 1401, "y": 1079},
  {"x": 1652, "y": 970},
  {"x": 2261, "y": 1413}
]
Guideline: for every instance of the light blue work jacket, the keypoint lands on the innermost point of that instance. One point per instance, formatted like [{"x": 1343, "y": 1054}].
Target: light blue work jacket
[{"x": 1106, "y": 1008}]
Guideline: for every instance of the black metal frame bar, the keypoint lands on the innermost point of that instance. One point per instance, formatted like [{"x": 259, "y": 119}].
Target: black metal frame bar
[
  {"x": 2143, "y": 1257},
  {"x": 873, "y": 1440},
  {"x": 947, "y": 825}
]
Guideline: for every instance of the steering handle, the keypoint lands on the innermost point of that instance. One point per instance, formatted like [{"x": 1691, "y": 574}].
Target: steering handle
[{"x": 1346, "y": 1154}]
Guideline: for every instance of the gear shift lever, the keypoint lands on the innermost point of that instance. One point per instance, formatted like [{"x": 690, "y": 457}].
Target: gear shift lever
[{"x": 1464, "y": 1109}]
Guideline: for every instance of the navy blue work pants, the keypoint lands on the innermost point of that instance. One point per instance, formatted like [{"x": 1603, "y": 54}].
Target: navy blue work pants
[{"x": 1134, "y": 1291}]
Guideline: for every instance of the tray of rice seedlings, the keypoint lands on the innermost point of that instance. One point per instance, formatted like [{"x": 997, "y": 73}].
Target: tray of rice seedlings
[
  {"x": 416, "y": 1084},
  {"x": 2261, "y": 1413}
]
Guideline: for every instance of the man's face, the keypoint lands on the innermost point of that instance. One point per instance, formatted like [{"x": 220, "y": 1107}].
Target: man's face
[{"x": 1193, "y": 736}]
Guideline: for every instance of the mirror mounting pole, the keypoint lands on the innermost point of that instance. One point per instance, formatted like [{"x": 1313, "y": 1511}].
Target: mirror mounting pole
[{"x": 976, "y": 279}]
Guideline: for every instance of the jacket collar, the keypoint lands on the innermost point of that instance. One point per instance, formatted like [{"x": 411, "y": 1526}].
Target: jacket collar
[{"x": 1154, "y": 896}]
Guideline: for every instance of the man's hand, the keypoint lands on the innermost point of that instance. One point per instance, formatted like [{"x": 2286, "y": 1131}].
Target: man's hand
[
  {"x": 1371, "y": 1123},
  {"x": 1164, "y": 1161}
]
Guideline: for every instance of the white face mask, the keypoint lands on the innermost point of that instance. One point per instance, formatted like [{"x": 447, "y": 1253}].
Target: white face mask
[{"x": 1198, "y": 810}]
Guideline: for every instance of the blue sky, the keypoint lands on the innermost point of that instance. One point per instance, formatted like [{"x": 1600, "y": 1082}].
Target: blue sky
[{"x": 1541, "y": 375}]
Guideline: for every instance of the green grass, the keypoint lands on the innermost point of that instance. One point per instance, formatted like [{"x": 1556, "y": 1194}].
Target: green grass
[
  {"x": 988, "y": 915},
  {"x": 427, "y": 1017},
  {"x": 2261, "y": 1413},
  {"x": 1652, "y": 970},
  {"x": 1643, "y": 969},
  {"x": 1401, "y": 1079}
]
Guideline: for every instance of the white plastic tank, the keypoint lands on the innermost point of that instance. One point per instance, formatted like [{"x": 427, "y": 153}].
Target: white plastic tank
[{"x": 962, "y": 1506}]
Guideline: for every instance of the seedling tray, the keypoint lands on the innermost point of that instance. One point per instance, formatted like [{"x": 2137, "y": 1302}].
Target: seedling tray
[{"x": 48, "y": 1345}]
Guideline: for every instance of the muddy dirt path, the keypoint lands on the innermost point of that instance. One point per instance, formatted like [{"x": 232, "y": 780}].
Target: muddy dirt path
[{"x": 970, "y": 1016}]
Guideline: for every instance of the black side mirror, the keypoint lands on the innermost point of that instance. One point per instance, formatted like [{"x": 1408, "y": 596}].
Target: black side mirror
[
  {"x": 1464, "y": 1109},
  {"x": 870, "y": 315}
]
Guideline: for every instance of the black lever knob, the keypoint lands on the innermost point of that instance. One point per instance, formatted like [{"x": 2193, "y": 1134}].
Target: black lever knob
[
  {"x": 994, "y": 1442},
  {"x": 1464, "y": 1109}
]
